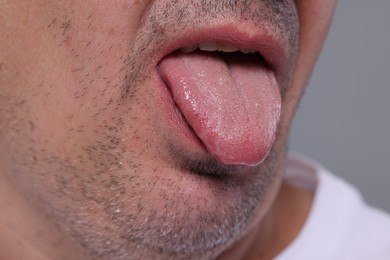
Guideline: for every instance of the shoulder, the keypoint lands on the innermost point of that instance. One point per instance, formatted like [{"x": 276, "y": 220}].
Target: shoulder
[
  {"x": 341, "y": 225},
  {"x": 368, "y": 234}
]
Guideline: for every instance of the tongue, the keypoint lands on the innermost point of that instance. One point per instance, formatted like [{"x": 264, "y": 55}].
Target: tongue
[{"x": 233, "y": 105}]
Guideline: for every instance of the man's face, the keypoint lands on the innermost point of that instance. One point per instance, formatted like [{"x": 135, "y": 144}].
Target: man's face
[{"x": 136, "y": 147}]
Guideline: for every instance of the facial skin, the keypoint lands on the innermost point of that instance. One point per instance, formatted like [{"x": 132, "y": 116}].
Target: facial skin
[{"x": 92, "y": 167}]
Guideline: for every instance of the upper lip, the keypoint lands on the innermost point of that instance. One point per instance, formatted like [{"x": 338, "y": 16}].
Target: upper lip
[{"x": 261, "y": 40}]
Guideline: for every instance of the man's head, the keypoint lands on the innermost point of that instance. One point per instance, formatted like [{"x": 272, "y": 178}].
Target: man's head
[{"x": 113, "y": 127}]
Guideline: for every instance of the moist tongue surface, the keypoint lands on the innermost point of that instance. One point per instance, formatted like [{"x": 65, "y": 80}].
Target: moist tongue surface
[{"x": 233, "y": 105}]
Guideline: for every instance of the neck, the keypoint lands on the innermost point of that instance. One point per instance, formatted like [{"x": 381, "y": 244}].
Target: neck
[{"x": 278, "y": 229}]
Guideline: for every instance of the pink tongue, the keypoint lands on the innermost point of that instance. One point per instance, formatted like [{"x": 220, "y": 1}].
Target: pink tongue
[{"x": 232, "y": 105}]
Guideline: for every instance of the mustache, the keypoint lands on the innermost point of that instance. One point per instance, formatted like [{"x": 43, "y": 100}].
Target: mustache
[{"x": 280, "y": 15}]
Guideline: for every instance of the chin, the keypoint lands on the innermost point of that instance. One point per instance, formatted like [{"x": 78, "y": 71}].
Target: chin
[{"x": 189, "y": 215}]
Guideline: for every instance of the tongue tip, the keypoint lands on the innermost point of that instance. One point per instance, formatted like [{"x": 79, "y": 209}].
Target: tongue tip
[
  {"x": 243, "y": 149},
  {"x": 246, "y": 158},
  {"x": 250, "y": 162}
]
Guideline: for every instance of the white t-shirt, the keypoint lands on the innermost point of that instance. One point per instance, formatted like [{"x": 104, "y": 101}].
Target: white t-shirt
[{"x": 340, "y": 225}]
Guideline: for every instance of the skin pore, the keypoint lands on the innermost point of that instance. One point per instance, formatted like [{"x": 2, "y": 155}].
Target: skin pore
[{"x": 90, "y": 167}]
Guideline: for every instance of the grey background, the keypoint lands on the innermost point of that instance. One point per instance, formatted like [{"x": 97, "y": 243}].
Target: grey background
[{"x": 344, "y": 120}]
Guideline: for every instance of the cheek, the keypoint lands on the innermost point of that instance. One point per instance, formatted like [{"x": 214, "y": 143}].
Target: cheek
[
  {"x": 315, "y": 18},
  {"x": 67, "y": 76},
  {"x": 88, "y": 44}
]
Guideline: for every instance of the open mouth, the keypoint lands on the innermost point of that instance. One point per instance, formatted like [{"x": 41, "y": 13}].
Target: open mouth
[
  {"x": 227, "y": 52},
  {"x": 229, "y": 96},
  {"x": 216, "y": 46}
]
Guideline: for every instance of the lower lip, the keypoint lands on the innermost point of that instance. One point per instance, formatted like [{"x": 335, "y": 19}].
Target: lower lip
[{"x": 175, "y": 118}]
